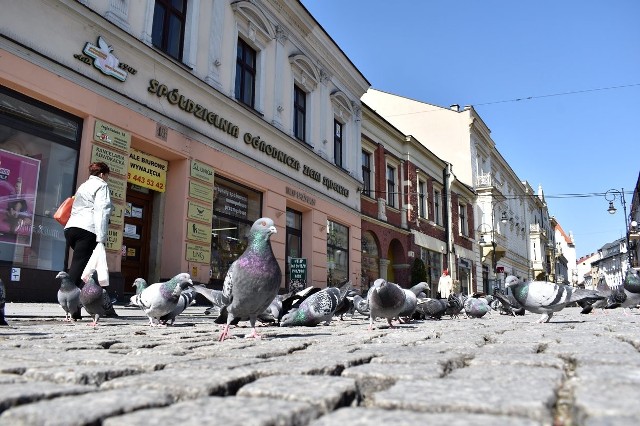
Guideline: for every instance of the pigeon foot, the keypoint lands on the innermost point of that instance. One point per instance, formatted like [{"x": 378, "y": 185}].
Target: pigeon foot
[{"x": 254, "y": 334}]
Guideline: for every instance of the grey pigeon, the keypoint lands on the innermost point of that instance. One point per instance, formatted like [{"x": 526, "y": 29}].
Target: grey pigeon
[
  {"x": 476, "y": 307},
  {"x": 613, "y": 295},
  {"x": 432, "y": 308},
  {"x": 68, "y": 295},
  {"x": 508, "y": 305},
  {"x": 361, "y": 305},
  {"x": 140, "y": 284},
  {"x": 160, "y": 299},
  {"x": 293, "y": 300},
  {"x": 2, "y": 302},
  {"x": 411, "y": 300},
  {"x": 253, "y": 280},
  {"x": 317, "y": 308},
  {"x": 187, "y": 297},
  {"x": 542, "y": 297},
  {"x": 214, "y": 296},
  {"x": 456, "y": 304},
  {"x": 96, "y": 301},
  {"x": 386, "y": 300}
]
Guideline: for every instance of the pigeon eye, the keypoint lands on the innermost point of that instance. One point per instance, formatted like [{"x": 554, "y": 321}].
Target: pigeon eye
[{"x": 263, "y": 223}]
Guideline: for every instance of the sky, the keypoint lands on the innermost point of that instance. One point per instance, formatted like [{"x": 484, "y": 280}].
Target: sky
[{"x": 556, "y": 82}]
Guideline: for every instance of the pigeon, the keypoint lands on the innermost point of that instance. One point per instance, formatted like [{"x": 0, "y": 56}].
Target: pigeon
[
  {"x": 160, "y": 299},
  {"x": 508, "y": 305},
  {"x": 632, "y": 281},
  {"x": 214, "y": 296},
  {"x": 187, "y": 297},
  {"x": 361, "y": 305},
  {"x": 346, "y": 306},
  {"x": 253, "y": 280},
  {"x": 432, "y": 308},
  {"x": 545, "y": 298},
  {"x": 272, "y": 313},
  {"x": 140, "y": 284},
  {"x": 68, "y": 295},
  {"x": 317, "y": 308},
  {"x": 386, "y": 300},
  {"x": 476, "y": 307},
  {"x": 613, "y": 295},
  {"x": 2, "y": 302},
  {"x": 411, "y": 300},
  {"x": 456, "y": 304},
  {"x": 96, "y": 301},
  {"x": 293, "y": 300}
]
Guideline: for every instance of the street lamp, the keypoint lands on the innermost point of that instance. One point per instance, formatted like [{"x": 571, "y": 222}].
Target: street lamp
[{"x": 611, "y": 196}]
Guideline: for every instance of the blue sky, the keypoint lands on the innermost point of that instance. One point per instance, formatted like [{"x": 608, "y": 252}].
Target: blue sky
[{"x": 578, "y": 61}]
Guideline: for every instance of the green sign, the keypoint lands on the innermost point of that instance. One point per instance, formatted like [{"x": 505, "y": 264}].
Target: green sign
[{"x": 297, "y": 273}]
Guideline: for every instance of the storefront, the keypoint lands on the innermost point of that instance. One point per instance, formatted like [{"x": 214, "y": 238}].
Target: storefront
[{"x": 186, "y": 185}]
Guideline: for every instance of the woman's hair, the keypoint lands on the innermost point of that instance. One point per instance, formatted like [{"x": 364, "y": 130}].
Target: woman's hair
[{"x": 96, "y": 168}]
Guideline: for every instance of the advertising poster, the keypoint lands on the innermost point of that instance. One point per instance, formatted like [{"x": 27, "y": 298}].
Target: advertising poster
[{"x": 18, "y": 189}]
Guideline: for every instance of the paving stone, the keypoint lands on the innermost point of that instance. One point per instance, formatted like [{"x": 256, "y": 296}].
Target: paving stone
[
  {"x": 609, "y": 374},
  {"x": 14, "y": 394},
  {"x": 79, "y": 374},
  {"x": 371, "y": 378},
  {"x": 86, "y": 409},
  {"x": 597, "y": 402},
  {"x": 187, "y": 383},
  {"x": 491, "y": 360},
  {"x": 11, "y": 378},
  {"x": 374, "y": 416},
  {"x": 510, "y": 372},
  {"x": 533, "y": 399},
  {"x": 224, "y": 411},
  {"x": 323, "y": 392}
]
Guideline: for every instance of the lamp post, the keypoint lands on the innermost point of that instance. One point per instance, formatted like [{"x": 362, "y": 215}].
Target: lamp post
[{"x": 611, "y": 196}]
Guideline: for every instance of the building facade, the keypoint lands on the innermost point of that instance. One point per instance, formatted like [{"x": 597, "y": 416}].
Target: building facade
[{"x": 210, "y": 116}]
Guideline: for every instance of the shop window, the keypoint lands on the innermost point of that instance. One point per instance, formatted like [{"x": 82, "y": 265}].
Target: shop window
[
  {"x": 433, "y": 264},
  {"x": 370, "y": 260},
  {"x": 169, "y": 21},
  {"x": 235, "y": 208},
  {"x": 337, "y": 253},
  {"x": 38, "y": 161},
  {"x": 245, "y": 90},
  {"x": 293, "y": 245}
]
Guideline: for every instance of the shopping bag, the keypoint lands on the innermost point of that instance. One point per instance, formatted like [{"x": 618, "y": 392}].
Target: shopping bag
[
  {"x": 98, "y": 263},
  {"x": 64, "y": 211}
]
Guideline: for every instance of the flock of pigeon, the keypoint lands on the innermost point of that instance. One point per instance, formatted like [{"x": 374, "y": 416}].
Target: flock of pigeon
[{"x": 250, "y": 292}]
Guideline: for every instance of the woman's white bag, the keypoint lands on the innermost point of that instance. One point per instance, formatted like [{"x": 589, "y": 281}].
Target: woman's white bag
[{"x": 97, "y": 262}]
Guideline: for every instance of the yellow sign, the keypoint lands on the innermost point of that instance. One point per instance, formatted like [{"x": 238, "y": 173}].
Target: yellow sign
[
  {"x": 202, "y": 171},
  {"x": 147, "y": 171},
  {"x": 117, "y": 215},
  {"x": 201, "y": 192},
  {"x": 199, "y": 232},
  {"x": 199, "y": 212},
  {"x": 198, "y": 253},
  {"x": 117, "y": 162},
  {"x": 111, "y": 135},
  {"x": 117, "y": 188},
  {"x": 114, "y": 240}
]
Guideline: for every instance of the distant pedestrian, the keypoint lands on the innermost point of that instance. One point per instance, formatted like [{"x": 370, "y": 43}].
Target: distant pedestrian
[
  {"x": 89, "y": 220},
  {"x": 445, "y": 284}
]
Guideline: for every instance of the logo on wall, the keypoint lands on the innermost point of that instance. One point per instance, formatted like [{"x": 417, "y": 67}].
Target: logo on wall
[{"x": 104, "y": 60}]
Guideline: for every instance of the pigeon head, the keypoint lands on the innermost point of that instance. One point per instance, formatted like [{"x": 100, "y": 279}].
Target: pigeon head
[
  {"x": 139, "y": 283},
  {"x": 511, "y": 281},
  {"x": 296, "y": 317},
  {"x": 62, "y": 275}
]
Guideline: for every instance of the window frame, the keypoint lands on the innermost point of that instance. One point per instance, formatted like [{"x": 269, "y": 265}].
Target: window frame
[
  {"x": 391, "y": 185},
  {"x": 366, "y": 172},
  {"x": 170, "y": 11},
  {"x": 437, "y": 205},
  {"x": 422, "y": 199},
  {"x": 338, "y": 143},
  {"x": 299, "y": 114},
  {"x": 463, "y": 220},
  {"x": 242, "y": 67}
]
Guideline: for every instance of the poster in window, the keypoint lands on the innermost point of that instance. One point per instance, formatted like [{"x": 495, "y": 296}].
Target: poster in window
[{"x": 18, "y": 188}]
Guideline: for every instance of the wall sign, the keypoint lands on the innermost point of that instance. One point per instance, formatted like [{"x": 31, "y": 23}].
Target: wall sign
[
  {"x": 117, "y": 162},
  {"x": 199, "y": 232},
  {"x": 147, "y": 171},
  {"x": 199, "y": 212},
  {"x": 111, "y": 135},
  {"x": 198, "y": 253},
  {"x": 200, "y": 191},
  {"x": 201, "y": 171},
  {"x": 105, "y": 61}
]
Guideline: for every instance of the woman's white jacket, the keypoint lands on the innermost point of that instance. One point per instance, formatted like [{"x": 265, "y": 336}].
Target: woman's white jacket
[{"x": 92, "y": 208}]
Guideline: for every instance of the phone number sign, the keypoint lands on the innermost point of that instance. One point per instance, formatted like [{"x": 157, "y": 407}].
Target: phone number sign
[{"x": 147, "y": 171}]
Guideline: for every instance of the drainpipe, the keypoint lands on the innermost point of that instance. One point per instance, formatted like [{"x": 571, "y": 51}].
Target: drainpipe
[{"x": 448, "y": 223}]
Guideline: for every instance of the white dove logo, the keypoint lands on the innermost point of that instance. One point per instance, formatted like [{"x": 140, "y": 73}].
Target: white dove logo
[{"x": 104, "y": 60}]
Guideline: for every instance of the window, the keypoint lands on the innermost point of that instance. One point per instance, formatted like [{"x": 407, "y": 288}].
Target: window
[
  {"x": 366, "y": 173},
  {"x": 437, "y": 211},
  {"x": 463, "y": 225},
  {"x": 293, "y": 247},
  {"x": 337, "y": 253},
  {"x": 337, "y": 142},
  {"x": 167, "y": 34},
  {"x": 391, "y": 186},
  {"x": 38, "y": 152},
  {"x": 422, "y": 206},
  {"x": 370, "y": 260},
  {"x": 433, "y": 264},
  {"x": 299, "y": 113},
  {"x": 246, "y": 74},
  {"x": 235, "y": 208}
]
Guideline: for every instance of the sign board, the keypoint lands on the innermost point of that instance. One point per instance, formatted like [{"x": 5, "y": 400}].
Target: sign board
[
  {"x": 198, "y": 253},
  {"x": 201, "y": 171},
  {"x": 199, "y": 212},
  {"x": 111, "y": 135},
  {"x": 201, "y": 192},
  {"x": 117, "y": 162},
  {"x": 147, "y": 170},
  {"x": 297, "y": 273},
  {"x": 199, "y": 232}
]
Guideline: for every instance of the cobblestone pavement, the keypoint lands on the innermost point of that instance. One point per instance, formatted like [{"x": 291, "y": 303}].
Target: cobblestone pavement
[{"x": 576, "y": 370}]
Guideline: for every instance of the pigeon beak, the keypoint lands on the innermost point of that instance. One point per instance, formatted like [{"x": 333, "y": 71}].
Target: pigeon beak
[{"x": 273, "y": 230}]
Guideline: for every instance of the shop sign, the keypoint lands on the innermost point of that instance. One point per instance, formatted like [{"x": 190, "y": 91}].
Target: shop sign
[
  {"x": 198, "y": 232},
  {"x": 198, "y": 253},
  {"x": 199, "y": 212},
  {"x": 117, "y": 188},
  {"x": 301, "y": 196},
  {"x": 231, "y": 202},
  {"x": 117, "y": 215},
  {"x": 200, "y": 191},
  {"x": 111, "y": 135},
  {"x": 114, "y": 240},
  {"x": 271, "y": 151},
  {"x": 117, "y": 162},
  {"x": 105, "y": 61},
  {"x": 298, "y": 272},
  {"x": 147, "y": 171},
  {"x": 201, "y": 171}
]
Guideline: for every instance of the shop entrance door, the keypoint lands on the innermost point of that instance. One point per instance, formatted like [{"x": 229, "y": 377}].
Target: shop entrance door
[{"x": 136, "y": 236}]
